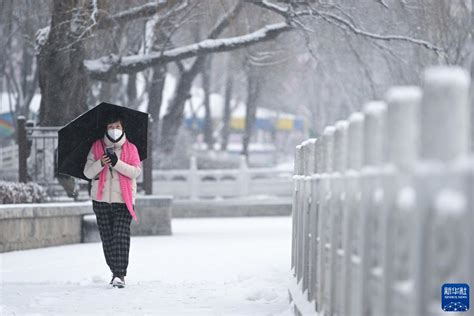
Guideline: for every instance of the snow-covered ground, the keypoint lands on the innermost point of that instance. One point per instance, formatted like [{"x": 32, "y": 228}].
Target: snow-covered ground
[{"x": 210, "y": 266}]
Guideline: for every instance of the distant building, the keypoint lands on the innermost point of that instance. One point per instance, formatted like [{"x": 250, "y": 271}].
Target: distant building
[{"x": 275, "y": 133}]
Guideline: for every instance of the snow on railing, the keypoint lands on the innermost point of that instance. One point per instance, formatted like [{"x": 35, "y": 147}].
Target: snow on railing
[
  {"x": 383, "y": 204},
  {"x": 194, "y": 183}
]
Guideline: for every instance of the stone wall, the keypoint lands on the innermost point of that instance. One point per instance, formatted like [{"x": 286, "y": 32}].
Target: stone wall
[
  {"x": 232, "y": 207},
  {"x": 154, "y": 215},
  {"x": 28, "y": 226}
]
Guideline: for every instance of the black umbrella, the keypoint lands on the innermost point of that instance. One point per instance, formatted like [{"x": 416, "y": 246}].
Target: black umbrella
[{"x": 76, "y": 138}]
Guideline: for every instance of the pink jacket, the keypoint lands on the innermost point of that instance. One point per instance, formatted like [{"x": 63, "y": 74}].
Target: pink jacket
[{"x": 120, "y": 186}]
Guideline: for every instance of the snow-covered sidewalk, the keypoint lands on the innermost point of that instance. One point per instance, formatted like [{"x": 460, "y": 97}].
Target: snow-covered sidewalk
[{"x": 210, "y": 266}]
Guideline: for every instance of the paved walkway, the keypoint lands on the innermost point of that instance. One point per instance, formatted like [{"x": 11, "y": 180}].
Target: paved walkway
[{"x": 210, "y": 266}]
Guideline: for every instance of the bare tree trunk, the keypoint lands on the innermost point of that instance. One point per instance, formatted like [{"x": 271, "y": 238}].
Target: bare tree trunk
[
  {"x": 173, "y": 119},
  {"x": 25, "y": 84},
  {"x": 227, "y": 113},
  {"x": 155, "y": 99},
  {"x": 206, "y": 85},
  {"x": 6, "y": 14},
  {"x": 105, "y": 92},
  {"x": 109, "y": 88},
  {"x": 155, "y": 95},
  {"x": 132, "y": 91},
  {"x": 253, "y": 87},
  {"x": 62, "y": 76}
]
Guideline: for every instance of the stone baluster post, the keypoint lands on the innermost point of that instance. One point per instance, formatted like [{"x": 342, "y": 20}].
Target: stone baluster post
[
  {"x": 373, "y": 208},
  {"x": 355, "y": 155},
  {"x": 299, "y": 200},
  {"x": 314, "y": 215},
  {"x": 326, "y": 211},
  {"x": 443, "y": 189},
  {"x": 309, "y": 147},
  {"x": 339, "y": 214},
  {"x": 401, "y": 155},
  {"x": 244, "y": 177},
  {"x": 193, "y": 179},
  {"x": 294, "y": 211}
]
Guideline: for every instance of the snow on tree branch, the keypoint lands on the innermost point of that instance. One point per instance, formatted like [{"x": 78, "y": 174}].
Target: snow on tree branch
[
  {"x": 272, "y": 6},
  {"x": 142, "y": 11},
  {"x": 41, "y": 37},
  {"x": 94, "y": 11},
  {"x": 338, "y": 21},
  {"x": 103, "y": 67},
  {"x": 225, "y": 20},
  {"x": 382, "y": 3},
  {"x": 332, "y": 18}
]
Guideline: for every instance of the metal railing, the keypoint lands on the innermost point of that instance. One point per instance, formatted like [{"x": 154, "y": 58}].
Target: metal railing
[{"x": 383, "y": 208}]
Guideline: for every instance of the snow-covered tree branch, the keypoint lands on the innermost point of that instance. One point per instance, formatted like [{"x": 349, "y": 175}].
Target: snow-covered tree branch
[
  {"x": 143, "y": 11},
  {"x": 292, "y": 17},
  {"x": 337, "y": 57},
  {"x": 103, "y": 67},
  {"x": 341, "y": 22}
]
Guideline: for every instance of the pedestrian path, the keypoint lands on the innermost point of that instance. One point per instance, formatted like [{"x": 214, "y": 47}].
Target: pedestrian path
[{"x": 210, "y": 266}]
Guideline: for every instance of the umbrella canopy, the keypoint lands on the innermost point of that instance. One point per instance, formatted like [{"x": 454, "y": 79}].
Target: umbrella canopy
[{"x": 76, "y": 138}]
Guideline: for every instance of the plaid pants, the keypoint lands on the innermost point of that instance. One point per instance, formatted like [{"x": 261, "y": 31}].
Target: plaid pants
[{"x": 114, "y": 228}]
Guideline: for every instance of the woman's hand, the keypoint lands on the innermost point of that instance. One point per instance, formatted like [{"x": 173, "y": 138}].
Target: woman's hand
[{"x": 104, "y": 160}]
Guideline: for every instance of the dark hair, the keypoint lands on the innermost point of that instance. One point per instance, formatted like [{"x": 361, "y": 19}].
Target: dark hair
[{"x": 113, "y": 117}]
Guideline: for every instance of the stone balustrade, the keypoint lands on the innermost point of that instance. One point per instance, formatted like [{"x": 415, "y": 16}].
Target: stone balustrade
[{"x": 383, "y": 210}]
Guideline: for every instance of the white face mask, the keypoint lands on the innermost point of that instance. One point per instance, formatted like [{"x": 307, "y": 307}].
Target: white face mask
[{"x": 114, "y": 133}]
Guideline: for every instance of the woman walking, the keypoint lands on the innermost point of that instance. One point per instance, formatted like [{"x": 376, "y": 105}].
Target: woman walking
[{"x": 113, "y": 164}]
